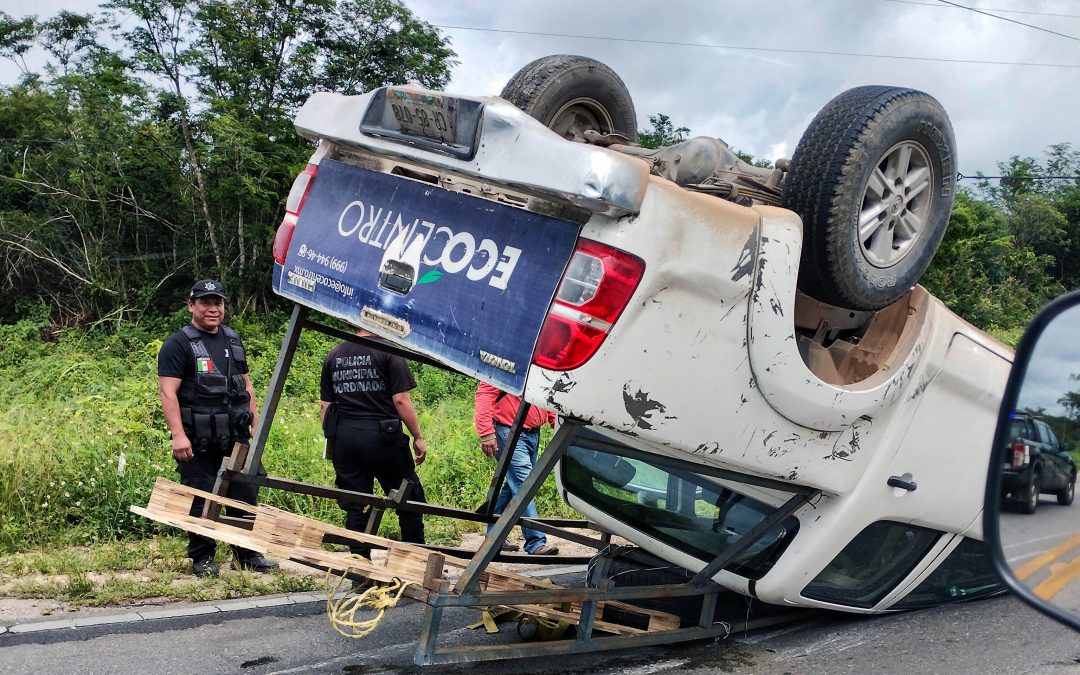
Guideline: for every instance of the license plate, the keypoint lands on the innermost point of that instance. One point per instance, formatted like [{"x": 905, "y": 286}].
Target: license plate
[
  {"x": 428, "y": 119},
  {"x": 421, "y": 114}
]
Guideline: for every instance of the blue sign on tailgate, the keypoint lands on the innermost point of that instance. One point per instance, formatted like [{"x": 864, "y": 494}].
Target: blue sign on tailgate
[{"x": 464, "y": 280}]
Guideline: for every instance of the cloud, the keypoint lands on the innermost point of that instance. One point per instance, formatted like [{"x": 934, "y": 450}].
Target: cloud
[
  {"x": 762, "y": 101},
  {"x": 1054, "y": 360}
]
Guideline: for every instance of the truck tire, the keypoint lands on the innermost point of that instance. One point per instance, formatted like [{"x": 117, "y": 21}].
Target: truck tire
[
  {"x": 873, "y": 179},
  {"x": 572, "y": 94},
  {"x": 1031, "y": 495},
  {"x": 1066, "y": 494}
]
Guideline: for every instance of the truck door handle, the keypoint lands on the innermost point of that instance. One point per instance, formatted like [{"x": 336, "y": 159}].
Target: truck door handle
[{"x": 898, "y": 482}]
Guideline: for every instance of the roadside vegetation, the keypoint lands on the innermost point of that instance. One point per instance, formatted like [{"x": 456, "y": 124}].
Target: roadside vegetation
[
  {"x": 156, "y": 147},
  {"x": 82, "y": 436},
  {"x": 130, "y": 572}
]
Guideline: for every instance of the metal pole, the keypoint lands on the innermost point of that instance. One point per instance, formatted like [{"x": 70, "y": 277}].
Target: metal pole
[
  {"x": 273, "y": 394},
  {"x": 708, "y": 610},
  {"x": 504, "y": 459},
  {"x": 748, "y": 539},
  {"x": 490, "y": 547},
  {"x": 598, "y": 578},
  {"x": 429, "y": 633}
]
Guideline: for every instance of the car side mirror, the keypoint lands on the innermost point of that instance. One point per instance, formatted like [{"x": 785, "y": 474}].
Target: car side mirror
[{"x": 1030, "y": 524}]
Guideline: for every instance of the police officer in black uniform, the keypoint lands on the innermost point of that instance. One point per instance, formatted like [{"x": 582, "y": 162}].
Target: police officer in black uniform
[
  {"x": 365, "y": 399},
  {"x": 209, "y": 405}
]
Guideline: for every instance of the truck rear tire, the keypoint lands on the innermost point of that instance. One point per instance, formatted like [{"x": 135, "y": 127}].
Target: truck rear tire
[
  {"x": 572, "y": 94},
  {"x": 1031, "y": 495},
  {"x": 1066, "y": 494},
  {"x": 873, "y": 178}
]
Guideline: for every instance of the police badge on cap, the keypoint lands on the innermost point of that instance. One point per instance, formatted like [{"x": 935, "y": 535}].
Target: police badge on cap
[{"x": 207, "y": 287}]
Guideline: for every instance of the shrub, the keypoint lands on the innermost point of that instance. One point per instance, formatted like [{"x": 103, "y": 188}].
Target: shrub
[{"x": 82, "y": 436}]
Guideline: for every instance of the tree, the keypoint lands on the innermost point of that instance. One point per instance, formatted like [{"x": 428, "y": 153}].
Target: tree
[
  {"x": 662, "y": 132},
  {"x": 982, "y": 274},
  {"x": 16, "y": 38},
  {"x": 1071, "y": 401},
  {"x": 127, "y": 173}
]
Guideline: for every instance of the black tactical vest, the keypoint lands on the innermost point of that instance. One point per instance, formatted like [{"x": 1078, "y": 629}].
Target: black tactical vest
[{"x": 214, "y": 405}]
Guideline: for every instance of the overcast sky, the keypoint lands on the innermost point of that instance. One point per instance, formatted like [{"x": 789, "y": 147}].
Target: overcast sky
[
  {"x": 1054, "y": 360},
  {"x": 760, "y": 101}
]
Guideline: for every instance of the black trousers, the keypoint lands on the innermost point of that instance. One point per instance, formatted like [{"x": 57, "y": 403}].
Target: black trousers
[
  {"x": 200, "y": 473},
  {"x": 363, "y": 454}
]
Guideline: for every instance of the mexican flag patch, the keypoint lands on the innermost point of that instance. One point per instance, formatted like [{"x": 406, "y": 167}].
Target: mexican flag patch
[{"x": 204, "y": 365}]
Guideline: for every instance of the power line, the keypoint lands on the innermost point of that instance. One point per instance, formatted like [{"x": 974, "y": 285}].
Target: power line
[
  {"x": 778, "y": 50},
  {"x": 989, "y": 9},
  {"x": 1005, "y": 18},
  {"x": 960, "y": 177}
]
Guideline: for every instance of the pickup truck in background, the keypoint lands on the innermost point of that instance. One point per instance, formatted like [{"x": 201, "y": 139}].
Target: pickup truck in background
[
  {"x": 1038, "y": 464},
  {"x": 759, "y": 377}
]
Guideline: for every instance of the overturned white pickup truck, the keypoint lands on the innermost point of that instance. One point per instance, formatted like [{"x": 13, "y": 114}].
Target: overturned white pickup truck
[{"x": 757, "y": 377}]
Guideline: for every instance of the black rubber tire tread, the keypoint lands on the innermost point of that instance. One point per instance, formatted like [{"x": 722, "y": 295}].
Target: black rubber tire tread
[
  {"x": 827, "y": 178},
  {"x": 1026, "y": 505},
  {"x": 1065, "y": 495},
  {"x": 542, "y": 86}
]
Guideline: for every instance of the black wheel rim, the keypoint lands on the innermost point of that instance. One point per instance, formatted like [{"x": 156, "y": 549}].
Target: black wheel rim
[{"x": 579, "y": 115}]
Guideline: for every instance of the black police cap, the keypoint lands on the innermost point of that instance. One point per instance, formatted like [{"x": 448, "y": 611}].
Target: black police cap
[{"x": 207, "y": 287}]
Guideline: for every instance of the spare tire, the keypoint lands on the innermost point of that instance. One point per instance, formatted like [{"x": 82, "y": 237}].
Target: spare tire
[
  {"x": 573, "y": 94},
  {"x": 873, "y": 179}
]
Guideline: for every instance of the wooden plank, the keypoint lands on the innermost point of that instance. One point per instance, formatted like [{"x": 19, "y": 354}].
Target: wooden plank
[
  {"x": 287, "y": 535},
  {"x": 229, "y": 534}
]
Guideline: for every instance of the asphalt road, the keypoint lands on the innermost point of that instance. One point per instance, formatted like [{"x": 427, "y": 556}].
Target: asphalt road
[
  {"x": 1044, "y": 550},
  {"x": 990, "y": 636}
]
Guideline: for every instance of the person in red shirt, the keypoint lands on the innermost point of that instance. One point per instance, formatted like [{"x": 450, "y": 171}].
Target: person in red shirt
[{"x": 494, "y": 414}]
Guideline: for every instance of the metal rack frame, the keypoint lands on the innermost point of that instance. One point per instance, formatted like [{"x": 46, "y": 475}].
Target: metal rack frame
[{"x": 244, "y": 465}]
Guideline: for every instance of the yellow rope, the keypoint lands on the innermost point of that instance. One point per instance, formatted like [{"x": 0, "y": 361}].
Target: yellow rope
[
  {"x": 490, "y": 617},
  {"x": 342, "y": 612}
]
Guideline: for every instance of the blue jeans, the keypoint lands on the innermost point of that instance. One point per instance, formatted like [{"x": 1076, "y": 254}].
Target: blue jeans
[{"x": 521, "y": 463}]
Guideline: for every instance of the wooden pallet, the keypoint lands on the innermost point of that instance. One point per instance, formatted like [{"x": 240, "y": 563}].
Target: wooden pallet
[{"x": 281, "y": 534}]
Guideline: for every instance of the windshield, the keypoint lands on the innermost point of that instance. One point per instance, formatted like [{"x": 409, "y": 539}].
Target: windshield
[{"x": 694, "y": 513}]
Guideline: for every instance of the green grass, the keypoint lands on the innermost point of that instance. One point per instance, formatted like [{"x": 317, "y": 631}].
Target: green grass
[
  {"x": 82, "y": 436},
  {"x": 130, "y": 572}
]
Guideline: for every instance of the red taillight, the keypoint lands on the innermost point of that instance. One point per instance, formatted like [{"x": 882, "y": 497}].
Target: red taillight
[
  {"x": 594, "y": 291},
  {"x": 1021, "y": 455},
  {"x": 293, "y": 205}
]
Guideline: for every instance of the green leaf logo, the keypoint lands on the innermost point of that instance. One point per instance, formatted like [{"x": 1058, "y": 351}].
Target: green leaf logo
[{"x": 429, "y": 277}]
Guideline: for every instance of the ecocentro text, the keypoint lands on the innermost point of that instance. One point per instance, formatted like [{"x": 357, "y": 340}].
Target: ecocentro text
[{"x": 378, "y": 227}]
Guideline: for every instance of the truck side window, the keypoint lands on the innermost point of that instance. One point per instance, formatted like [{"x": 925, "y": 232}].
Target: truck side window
[
  {"x": 1055, "y": 444},
  {"x": 872, "y": 564},
  {"x": 966, "y": 574},
  {"x": 1044, "y": 432}
]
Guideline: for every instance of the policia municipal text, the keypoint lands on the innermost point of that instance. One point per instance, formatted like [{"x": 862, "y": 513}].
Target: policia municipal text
[
  {"x": 364, "y": 400},
  {"x": 209, "y": 406}
]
